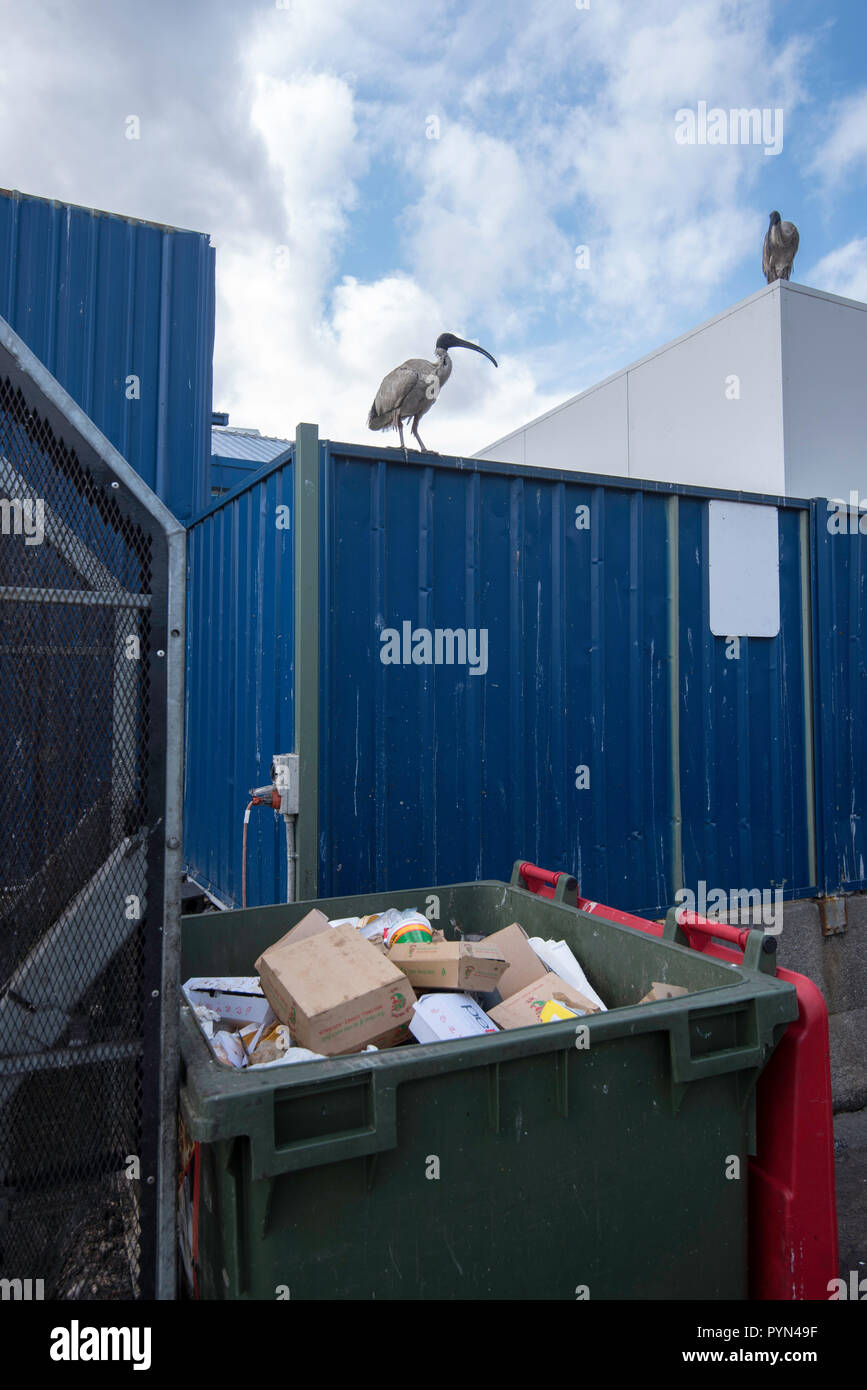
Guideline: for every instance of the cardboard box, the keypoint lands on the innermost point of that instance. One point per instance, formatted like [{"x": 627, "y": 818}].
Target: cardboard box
[
  {"x": 450, "y": 965},
  {"x": 441, "y": 1017},
  {"x": 658, "y": 990},
  {"x": 336, "y": 991},
  {"x": 311, "y": 924},
  {"x": 235, "y": 999},
  {"x": 525, "y": 1007},
  {"x": 523, "y": 966}
]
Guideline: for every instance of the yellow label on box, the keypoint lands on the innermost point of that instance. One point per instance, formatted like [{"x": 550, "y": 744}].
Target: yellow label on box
[{"x": 553, "y": 1010}]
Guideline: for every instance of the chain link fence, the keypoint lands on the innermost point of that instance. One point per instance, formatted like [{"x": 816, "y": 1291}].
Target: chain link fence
[{"x": 91, "y": 589}]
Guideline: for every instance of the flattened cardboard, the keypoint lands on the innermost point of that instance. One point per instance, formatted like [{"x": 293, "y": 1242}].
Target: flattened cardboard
[
  {"x": 659, "y": 990},
  {"x": 450, "y": 965},
  {"x": 524, "y": 965},
  {"x": 336, "y": 992},
  {"x": 524, "y": 1008},
  {"x": 442, "y": 1017}
]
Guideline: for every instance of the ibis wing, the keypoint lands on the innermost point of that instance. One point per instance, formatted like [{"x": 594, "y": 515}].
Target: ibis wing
[
  {"x": 792, "y": 238},
  {"x": 395, "y": 389},
  {"x": 766, "y": 255}
]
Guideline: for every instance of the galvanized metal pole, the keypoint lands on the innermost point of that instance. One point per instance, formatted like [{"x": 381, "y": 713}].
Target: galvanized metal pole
[
  {"x": 307, "y": 658},
  {"x": 167, "y": 1238}
]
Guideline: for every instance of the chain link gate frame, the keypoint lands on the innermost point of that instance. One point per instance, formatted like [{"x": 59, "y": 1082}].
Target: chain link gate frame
[{"x": 91, "y": 726}]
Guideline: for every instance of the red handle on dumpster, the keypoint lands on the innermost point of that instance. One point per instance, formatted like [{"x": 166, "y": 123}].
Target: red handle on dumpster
[
  {"x": 560, "y": 886},
  {"x": 541, "y": 881},
  {"x": 701, "y": 931},
  {"x": 793, "y": 1211}
]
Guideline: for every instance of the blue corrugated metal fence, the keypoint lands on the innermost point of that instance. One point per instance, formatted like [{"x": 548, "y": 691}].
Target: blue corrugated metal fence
[
  {"x": 122, "y": 313},
  {"x": 609, "y": 733},
  {"x": 840, "y": 567},
  {"x": 240, "y": 682},
  {"x": 562, "y": 749}
]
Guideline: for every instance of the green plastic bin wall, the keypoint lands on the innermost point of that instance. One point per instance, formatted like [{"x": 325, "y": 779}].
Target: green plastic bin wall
[{"x": 563, "y": 1172}]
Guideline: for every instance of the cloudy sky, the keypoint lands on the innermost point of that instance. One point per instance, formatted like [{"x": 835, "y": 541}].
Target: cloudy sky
[{"x": 373, "y": 172}]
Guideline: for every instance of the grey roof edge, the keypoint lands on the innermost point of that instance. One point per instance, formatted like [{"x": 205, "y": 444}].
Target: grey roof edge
[
  {"x": 250, "y": 480},
  {"x": 778, "y": 287},
  {"x": 252, "y": 446},
  {"x": 33, "y": 367}
]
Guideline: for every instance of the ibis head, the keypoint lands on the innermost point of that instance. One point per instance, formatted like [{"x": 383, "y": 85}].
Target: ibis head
[{"x": 448, "y": 340}]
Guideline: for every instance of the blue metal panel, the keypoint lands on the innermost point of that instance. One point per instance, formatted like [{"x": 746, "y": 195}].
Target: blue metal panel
[
  {"x": 840, "y": 570},
  {"x": 100, "y": 298},
  {"x": 229, "y": 471},
  {"x": 429, "y": 774},
  {"x": 226, "y": 474},
  {"x": 240, "y": 684},
  {"x": 744, "y": 740},
  {"x": 610, "y": 735}
]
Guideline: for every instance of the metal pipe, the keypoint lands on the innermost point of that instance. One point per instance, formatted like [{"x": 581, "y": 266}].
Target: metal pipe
[
  {"x": 290, "y": 858},
  {"x": 83, "y": 598},
  {"x": 244, "y": 853},
  {"x": 61, "y": 1059}
]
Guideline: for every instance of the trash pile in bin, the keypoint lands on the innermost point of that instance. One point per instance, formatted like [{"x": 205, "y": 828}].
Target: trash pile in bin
[{"x": 360, "y": 984}]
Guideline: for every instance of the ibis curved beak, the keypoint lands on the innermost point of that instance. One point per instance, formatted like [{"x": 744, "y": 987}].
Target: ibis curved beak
[{"x": 462, "y": 342}]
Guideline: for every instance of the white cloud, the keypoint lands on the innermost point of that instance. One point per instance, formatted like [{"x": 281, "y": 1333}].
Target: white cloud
[
  {"x": 669, "y": 222},
  {"x": 480, "y": 231},
  {"x": 843, "y": 271},
  {"x": 338, "y": 362},
  {"x": 844, "y": 150},
  {"x": 291, "y": 347},
  {"x": 307, "y": 126},
  {"x": 262, "y": 126},
  {"x": 492, "y": 211}
]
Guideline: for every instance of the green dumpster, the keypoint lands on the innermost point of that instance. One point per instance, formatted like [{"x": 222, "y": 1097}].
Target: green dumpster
[{"x": 553, "y": 1162}]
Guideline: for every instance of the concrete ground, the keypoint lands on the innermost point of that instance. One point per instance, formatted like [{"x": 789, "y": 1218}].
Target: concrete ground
[{"x": 850, "y": 1153}]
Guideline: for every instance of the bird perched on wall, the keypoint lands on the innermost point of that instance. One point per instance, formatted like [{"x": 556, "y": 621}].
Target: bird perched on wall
[
  {"x": 410, "y": 390},
  {"x": 778, "y": 252}
]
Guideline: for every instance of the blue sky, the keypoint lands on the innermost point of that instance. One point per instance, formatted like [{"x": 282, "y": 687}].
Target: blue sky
[{"x": 374, "y": 172}]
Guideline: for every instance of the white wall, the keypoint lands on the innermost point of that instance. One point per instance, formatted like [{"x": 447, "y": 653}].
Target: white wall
[
  {"x": 798, "y": 426},
  {"x": 588, "y": 434},
  {"x": 824, "y": 394},
  {"x": 690, "y": 423}
]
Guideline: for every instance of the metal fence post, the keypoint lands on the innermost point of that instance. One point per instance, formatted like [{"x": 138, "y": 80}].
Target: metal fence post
[{"x": 307, "y": 657}]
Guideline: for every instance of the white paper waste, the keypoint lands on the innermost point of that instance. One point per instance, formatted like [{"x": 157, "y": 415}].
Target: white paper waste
[
  {"x": 441, "y": 1017},
  {"x": 207, "y": 1018},
  {"x": 230, "y": 1046},
  {"x": 559, "y": 958},
  {"x": 299, "y": 1054},
  {"x": 234, "y": 998}
]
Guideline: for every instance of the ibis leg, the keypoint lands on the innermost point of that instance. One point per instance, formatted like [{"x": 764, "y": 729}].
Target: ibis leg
[{"x": 419, "y": 438}]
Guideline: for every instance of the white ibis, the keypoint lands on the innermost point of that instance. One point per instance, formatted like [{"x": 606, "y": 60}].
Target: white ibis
[
  {"x": 410, "y": 390},
  {"x": 778, "y": 252}
]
